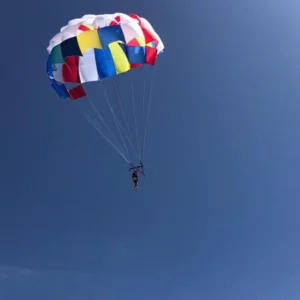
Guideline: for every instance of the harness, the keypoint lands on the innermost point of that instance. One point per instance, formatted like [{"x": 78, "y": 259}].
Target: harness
[{"x": 139, "y": 168}]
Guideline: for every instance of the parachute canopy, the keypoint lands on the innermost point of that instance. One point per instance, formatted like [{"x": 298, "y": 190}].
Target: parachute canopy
[{"x": 95, "y": 47}]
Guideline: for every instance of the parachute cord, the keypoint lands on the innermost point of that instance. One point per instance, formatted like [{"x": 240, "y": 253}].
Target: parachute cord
[
  {"x": 118, "y": 150},
  {"x": 111, "y": 140},
  {"x": 121, "y": 101},
  {"x": 135, "y": 120},
  {"x": 142, "y": 120},
  {"x": 148, "y": 110},
  {"x": 99, "y": 129},
  {"x": 92, "y": 122},
  {"x": 118, "y": 124},
  {"x": 103, "y": 122},
  {"x": 116, "y": 143},
  {"x": 116, "y": 121},
  {"x": 107, "y": 135}
]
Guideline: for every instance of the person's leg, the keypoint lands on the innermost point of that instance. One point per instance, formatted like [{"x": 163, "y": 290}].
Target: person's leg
[{"x": 135, "y": 184}]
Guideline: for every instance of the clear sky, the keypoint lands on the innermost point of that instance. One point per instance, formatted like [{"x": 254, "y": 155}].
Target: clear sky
[{"x": 217, "y": 216}]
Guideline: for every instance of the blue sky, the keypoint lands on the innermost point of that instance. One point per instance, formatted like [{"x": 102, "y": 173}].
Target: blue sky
[{"x": 217, "y": 215}]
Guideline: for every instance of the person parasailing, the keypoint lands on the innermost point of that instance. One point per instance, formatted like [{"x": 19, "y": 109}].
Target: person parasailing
[
  {"x": 135, "y": 174},
  {"x": 135, "y": 179}
]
